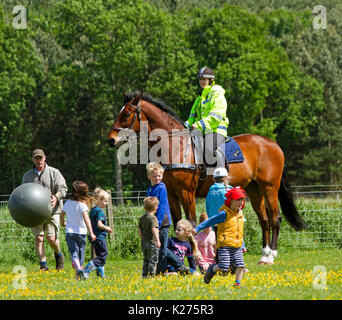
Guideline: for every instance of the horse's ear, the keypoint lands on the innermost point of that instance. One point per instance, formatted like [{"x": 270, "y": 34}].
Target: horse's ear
[
  {"x": 139, "y": 95},
  {"x": 125, "y": 97}
]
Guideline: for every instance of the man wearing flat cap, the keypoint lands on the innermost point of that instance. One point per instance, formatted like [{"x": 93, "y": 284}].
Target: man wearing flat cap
[{"x": 51, "y": 179}]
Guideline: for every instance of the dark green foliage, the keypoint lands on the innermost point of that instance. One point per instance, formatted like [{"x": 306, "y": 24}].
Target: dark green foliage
[{"x": 61, "y": 79}]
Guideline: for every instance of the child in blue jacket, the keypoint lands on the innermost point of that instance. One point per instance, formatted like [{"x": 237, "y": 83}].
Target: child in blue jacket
[
  {"x": 158, "y": 189},
  {"x": 216, "y": 195}
]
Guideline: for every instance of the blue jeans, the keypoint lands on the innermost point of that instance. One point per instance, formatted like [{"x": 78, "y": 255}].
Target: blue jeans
[
  {"x": 173, "y": 262},
  {"x": 101, "y": 252},
  {"x": 162, "y": 261},
  {"x": 76, "y": 245}
]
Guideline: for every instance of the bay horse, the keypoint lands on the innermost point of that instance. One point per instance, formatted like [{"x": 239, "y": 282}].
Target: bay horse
[{"x": 261, "y": 174}]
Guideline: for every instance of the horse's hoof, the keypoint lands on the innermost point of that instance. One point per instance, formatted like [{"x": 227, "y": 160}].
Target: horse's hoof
[{"x": 261, "y": 263}]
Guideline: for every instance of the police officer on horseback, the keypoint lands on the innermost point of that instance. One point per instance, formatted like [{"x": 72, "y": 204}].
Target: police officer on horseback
[{"x": 208, "y": 116}]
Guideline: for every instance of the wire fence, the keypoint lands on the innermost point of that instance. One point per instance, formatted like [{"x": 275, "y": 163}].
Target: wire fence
[
  {"x": 322, "y": 213},
  {"x": 136, "y": 197}
]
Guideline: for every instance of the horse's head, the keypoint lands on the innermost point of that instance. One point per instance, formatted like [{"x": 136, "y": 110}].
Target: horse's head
[{"x": 129, "y": 118}]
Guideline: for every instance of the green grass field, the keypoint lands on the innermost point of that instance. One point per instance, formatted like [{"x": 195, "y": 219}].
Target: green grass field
[
  {"x": 294, "y": 276},
  {"x": 308, "y": 266}
]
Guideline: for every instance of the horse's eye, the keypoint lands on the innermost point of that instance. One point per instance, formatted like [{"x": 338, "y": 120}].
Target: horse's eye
[{"x": 125, "y": 115}]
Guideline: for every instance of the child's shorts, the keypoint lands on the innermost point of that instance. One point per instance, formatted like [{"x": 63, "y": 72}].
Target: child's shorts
[{"x": 228, "y": 256}]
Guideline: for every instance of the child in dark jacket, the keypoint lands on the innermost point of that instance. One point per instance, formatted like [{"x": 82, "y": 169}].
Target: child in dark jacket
[
  {"x": 181, "y": 246},
  {"x": 98, "y": 221}
]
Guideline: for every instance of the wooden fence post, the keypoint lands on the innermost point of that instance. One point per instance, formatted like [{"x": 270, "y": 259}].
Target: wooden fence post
[{"x": 110, "y": 215}]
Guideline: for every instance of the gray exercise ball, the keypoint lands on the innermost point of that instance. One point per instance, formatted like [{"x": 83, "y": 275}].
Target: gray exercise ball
[{"x": 30, "y": 204}]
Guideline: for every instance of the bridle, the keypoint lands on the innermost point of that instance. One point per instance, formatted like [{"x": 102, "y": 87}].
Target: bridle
[
  {"x": 137, "y": 111},
  {"x": 137, "y": 114}
]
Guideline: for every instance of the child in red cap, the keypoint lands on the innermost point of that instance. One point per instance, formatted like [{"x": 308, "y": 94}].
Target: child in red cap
[{"x": 229, "y": 222}]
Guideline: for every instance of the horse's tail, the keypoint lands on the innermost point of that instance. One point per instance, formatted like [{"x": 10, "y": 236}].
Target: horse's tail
[{"x": 287, "y": 204}]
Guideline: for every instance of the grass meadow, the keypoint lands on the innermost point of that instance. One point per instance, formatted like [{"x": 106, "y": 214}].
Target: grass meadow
[
  {"x": 303, "y": 275},
  {"x": 308, "y": 265}
]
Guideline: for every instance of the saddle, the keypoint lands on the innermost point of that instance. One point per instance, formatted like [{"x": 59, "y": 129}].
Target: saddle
[{"x": 229, "y": 151}]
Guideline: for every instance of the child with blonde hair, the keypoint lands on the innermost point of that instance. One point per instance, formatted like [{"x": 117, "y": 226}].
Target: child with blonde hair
[
  {"x": 77, "y": 224},
  {"x": 158, "y": 189},
  {"x": 98, "y": 222},
  {"x": 149, "y": 234},
  {"x": 180, "y": 246}
]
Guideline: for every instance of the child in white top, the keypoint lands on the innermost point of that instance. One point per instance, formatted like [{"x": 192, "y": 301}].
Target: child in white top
[{"x": 77, "y": 224}]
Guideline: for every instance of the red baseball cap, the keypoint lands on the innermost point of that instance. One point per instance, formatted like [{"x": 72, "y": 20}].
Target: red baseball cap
[{"x": 234, "y": 194}]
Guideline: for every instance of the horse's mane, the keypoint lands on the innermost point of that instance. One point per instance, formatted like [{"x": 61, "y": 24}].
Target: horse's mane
[{"x": 158, "y": 103}]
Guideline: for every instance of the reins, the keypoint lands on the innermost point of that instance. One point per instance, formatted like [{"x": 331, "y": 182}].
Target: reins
[
  {"x": 137, "y": 111},
  {"x": 168, "y": 134}
]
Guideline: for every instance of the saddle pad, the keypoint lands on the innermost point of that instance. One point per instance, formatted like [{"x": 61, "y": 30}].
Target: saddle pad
[{"x": 233, "y": 151}]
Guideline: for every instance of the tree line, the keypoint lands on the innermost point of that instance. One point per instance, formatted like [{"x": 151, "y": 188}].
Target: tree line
[{"x": 62, "y": 78}]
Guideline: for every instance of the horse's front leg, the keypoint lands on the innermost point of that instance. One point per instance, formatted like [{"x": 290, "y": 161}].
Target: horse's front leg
[
  {"x": 175, "y": 209},
  {"x": 189, "y": 205}
]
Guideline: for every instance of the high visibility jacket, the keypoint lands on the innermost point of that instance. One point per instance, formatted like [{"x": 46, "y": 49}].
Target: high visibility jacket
[
  {"x": 208, "y": 113},
  {"x": 230, "y": 232}
]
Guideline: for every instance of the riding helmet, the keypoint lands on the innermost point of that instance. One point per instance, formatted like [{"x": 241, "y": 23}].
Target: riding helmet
[{"x": 205, "y": 73}]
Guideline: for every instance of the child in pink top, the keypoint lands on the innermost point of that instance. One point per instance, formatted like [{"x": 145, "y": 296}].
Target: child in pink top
[{"x": 206, "y": 242}]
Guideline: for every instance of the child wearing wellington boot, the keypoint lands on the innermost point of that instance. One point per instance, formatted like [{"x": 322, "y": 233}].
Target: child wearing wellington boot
[
  {"x": 98, "y": 222},
  {"x": 229, "y": 222},
  {"x": 77, "y": 224}
]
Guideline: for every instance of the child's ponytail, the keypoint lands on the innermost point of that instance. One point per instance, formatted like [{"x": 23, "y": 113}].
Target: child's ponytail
[{"x": 194, "y": 246}]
